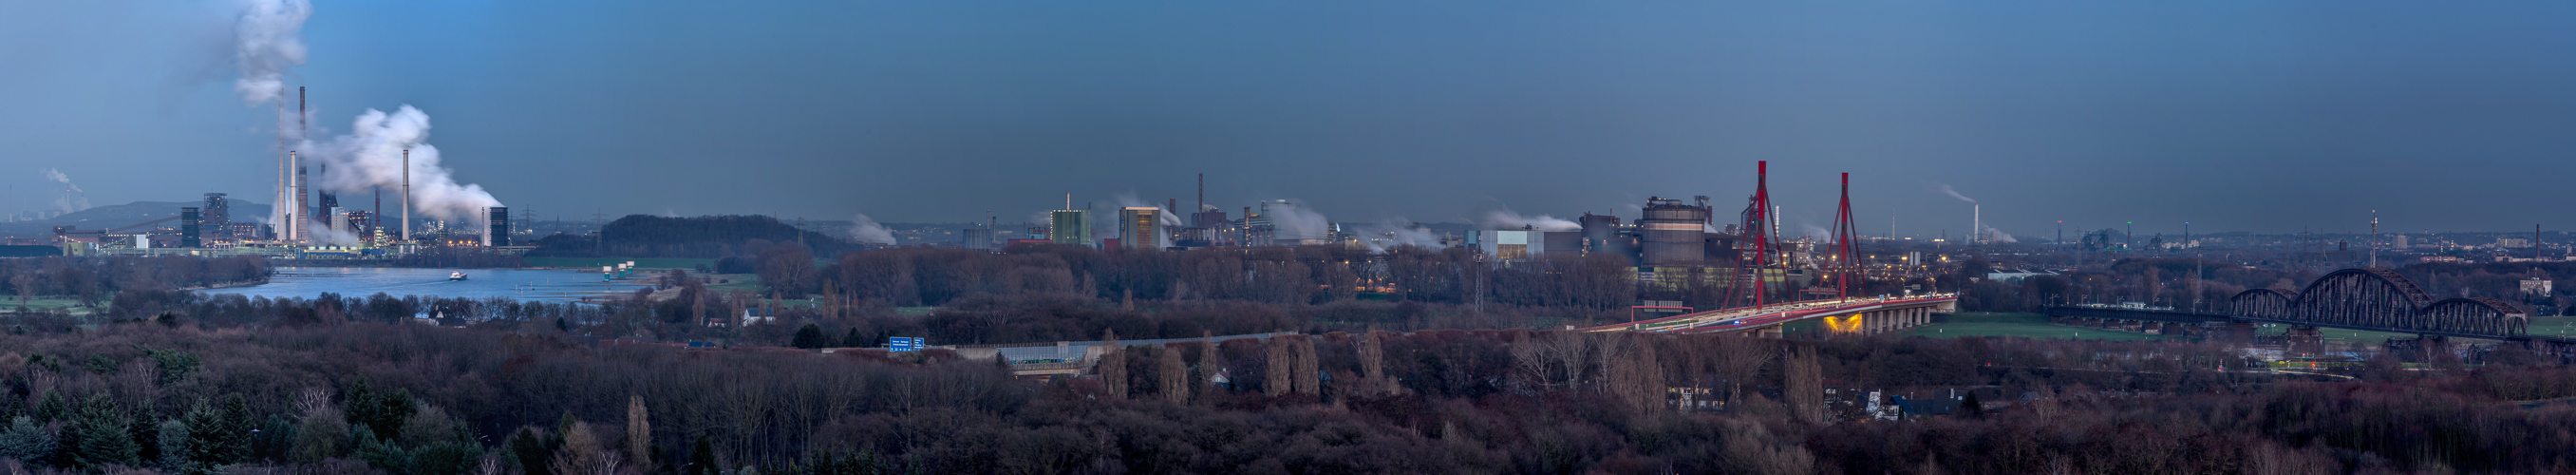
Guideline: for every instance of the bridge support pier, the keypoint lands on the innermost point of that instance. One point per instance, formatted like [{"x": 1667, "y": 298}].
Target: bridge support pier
[
  {"x": 2171, "y": 329},
  {"x": 1772, "y": 332},
  {"x": 2434, "y": 346},
  {"x": 2306, "y": 340}
]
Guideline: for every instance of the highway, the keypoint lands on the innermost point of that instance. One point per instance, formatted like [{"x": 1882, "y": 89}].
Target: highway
[{"x": 1744, "y": 318}]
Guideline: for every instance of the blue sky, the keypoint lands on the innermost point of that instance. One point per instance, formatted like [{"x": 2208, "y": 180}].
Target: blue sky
[{"x": 2262, "y": 116}]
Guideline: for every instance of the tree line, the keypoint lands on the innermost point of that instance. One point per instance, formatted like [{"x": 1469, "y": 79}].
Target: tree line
[{"x": 186, "y": 394}]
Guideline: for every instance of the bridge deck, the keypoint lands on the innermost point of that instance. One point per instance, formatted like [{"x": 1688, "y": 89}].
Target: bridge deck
[
  {"x": 2116, "y": 313},
  {"x": 1743, "y": 318}
]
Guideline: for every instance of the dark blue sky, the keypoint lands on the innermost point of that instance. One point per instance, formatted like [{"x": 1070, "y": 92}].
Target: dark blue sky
[{"x": 2262, "y": 116}]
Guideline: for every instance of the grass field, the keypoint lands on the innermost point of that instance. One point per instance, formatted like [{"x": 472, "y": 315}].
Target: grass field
[
  {"x": 2019, "y": 324},
  {"x": 48, "y": 304},
  {"x": 596, "y": 262}
]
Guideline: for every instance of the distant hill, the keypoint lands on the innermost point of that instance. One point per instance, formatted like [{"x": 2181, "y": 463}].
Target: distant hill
[{"x": 137, "y": 212}]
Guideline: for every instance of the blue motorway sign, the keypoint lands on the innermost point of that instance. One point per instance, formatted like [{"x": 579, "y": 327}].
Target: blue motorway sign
[{"x": 906, "y": 344}]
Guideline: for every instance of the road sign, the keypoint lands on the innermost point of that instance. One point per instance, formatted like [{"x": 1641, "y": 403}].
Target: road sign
[{"x": 906, "y": 344}]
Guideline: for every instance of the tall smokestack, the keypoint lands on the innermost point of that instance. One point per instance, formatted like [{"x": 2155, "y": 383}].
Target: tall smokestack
[
  {"x": 295, "y": 184},
  {"x": 284, "y": 185},
  {"x": 406, "y": 201},
  {"x": 1976, "y": 223}
]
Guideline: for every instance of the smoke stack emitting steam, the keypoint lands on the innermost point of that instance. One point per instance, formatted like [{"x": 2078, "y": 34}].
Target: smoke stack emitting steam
[
  {"x": 267, "y": 43},
  {"x": 73, "y": 198}
]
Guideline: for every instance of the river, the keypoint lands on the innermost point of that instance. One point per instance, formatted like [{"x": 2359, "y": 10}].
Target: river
[{"x": 532, "y": 285}]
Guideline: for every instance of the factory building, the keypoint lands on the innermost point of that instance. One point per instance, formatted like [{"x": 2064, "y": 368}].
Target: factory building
[
  {"x": 1070, "y": 227},
  {"x": 1674, "y": 234},
  {"x": 500, "y": 234},
  {"x": 216, "y": 218},
  {"x": 189, "y": 222},
  {"x": 1140, "y": 227}
]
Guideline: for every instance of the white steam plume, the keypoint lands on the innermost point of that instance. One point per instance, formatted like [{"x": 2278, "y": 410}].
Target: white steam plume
[
  {"x": 1506, "y": 219},
  {"x": 1814, "y": 231},
  {"x": 1392, "y": 233},
  {"x": 1297, "y": 222},
  {"x": 1998, "y": 235},
  {"x": 73, "y": 199},
  {"x": 371, "y": 156},
  {"x": 865, "y": 230},
  {"x": 1945, "y": 189},
  {"x": 266, "y": 41}
]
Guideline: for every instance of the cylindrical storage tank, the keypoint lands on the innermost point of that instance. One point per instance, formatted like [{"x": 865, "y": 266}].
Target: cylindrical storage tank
[{"x": 1673, "y": 233}]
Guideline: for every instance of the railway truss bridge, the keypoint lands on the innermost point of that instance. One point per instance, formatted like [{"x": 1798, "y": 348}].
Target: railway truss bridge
[{"x": 2369, "y": 299}]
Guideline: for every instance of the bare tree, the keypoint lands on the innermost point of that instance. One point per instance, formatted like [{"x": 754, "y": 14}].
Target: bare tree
[
  {"x": 1175, "y": 375},
  {"x": 1279, "y": 365},
  {"x": 639, "y": 433},
  {"x": 1309, "y": 376},
  {"x": 1739, "y": 359},
  {"x": 1113, "y": 365}
]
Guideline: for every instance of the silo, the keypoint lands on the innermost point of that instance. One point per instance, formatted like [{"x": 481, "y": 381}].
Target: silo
[{"x": 1673, "y": 233}]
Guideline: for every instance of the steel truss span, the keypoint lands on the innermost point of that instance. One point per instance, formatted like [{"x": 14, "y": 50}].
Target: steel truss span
[{"x": 2381, "y": 299}]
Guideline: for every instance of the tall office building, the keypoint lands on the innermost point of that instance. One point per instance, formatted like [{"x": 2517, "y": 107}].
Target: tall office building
[
  {"x": 1071, "y": 227},
  {"x": 1140, "y": 227}
]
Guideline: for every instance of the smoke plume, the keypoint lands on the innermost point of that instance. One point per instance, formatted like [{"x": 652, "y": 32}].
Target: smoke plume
[
  {"x": 73, "y": 199},
  {"x": 1814, "y": 231},
  {"x": 1297, "y": 222},
  {"x": 266, "y": 41},
  {"x": 371, "y": 156},
  {"x": 865, "y": 230},
  {"x": 1393, "y": 233},
  {"x": 1945, "y": 189},
  {"x": 1998, "y": 235},
  {"x": 1506, "y": 219}
]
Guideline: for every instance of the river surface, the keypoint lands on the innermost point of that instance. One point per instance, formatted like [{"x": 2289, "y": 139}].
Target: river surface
[{"x": 533, "y": 285}]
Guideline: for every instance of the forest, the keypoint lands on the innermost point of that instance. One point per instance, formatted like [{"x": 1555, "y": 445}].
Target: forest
[
  {"x": 705, "y": 237},
  {"x": 290, "y": 393},
  {"x": 94, "y": 280}
]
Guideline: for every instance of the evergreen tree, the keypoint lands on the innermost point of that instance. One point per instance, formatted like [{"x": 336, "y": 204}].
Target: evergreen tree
[
  {"x": 232, "y": 435},
  {"x": 98, "y": 436},
  {"x": 380, "y": 453},
  {"x": 173, "y": 448},
  {"x": 52, "y": 408},
  {"x": 853, "y": 339},
  {"x": 145, "y": 426},
  {"x": 810, "y": 337},
  {"x": 274, "y": 439},
  {"x": 392, "y": 410},
  {"x": 702, "y": 459},
  {"x": 359, "y": 406},
  {"x": 11, "y": 406},
  {"x": 1971, "y": 408},
  {"x": 530, "y": 449},
  {"x": 26, "y": 440}
]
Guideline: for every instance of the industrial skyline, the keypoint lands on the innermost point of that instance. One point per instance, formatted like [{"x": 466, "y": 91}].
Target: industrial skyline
[{"x": 2266, "y": 118}]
